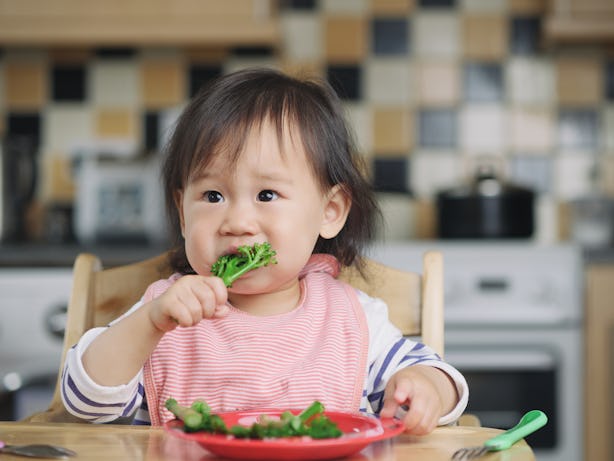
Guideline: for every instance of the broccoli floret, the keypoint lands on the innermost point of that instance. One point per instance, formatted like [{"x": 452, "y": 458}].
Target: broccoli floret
[{"x": 231, "y": 267}]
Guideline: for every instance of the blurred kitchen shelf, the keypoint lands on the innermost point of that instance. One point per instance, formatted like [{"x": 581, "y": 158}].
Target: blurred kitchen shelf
[
  {"x": 580, "y": 21},
  {"x": 138, "y": 23}
]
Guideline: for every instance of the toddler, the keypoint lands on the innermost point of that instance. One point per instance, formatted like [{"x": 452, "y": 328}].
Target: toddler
[{"x": 259, "y": 156}]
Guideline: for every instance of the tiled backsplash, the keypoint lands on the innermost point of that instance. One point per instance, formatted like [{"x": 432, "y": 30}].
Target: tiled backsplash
[{"x": 430, "y": 86}]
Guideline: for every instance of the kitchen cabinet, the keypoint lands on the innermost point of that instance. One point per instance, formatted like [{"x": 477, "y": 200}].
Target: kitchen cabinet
[
  {"x": 580, "y": 21},
  {"x": 137, "y": 23},
  {"x": 599, "y": 371}
]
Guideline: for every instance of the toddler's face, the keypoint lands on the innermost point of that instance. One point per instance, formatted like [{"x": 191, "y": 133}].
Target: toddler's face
[{"x": 270, "y": 194}]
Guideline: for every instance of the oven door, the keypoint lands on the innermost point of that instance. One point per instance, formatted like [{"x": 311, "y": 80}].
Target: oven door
[{"x": 520, "y": 371}]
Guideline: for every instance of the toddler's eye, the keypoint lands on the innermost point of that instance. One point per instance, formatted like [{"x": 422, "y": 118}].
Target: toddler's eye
[
  {"x": 267, "y": 195},
  {"x": 213, "y": 196}
]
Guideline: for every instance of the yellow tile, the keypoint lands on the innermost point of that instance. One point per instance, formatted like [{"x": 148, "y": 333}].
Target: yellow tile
[
  {"x": 392, "y": 131},
  {"x": 25, "y": 85},
  {"x": 485, "y": 36},
  {"x": 438, "y": 83},
  {"x": 392, "y": 7},
  {"x": 58, "y": 183},
  {"x": 579, "y": 80},
  {"x": 527, "y": 6},
  {"x": 346, "y": 39},
  {"x": 116, "y": 123},
  {"x": 303, "y": 69},
  {"x": 163, "y": 83}
]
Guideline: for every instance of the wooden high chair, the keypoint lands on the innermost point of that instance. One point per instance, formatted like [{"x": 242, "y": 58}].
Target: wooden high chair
[{"x": 415, "y": 302}]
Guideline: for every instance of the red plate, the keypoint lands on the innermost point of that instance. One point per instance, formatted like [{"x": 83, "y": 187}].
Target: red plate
[{"x": 358, "y": 432}]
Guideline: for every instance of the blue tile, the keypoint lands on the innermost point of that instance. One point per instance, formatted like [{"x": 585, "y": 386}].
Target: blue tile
[
  {"x": 437, "y": 128},
  {"x": 390, "y": 36},
  {"x": 483, "y": 82},
  {"x": 346, "y": 80},
  {"x": 534, "y": 171},
  {"x": 525, "y": 35},
  {"x": 68, "y": 83},
  {"x": 578, "y": 128},
  {"x": 390, "y": 174},
  {"x": 609, "y": 80}
]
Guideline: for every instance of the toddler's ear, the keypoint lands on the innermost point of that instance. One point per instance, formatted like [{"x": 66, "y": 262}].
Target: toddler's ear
[{"x": 335, "y": 212}]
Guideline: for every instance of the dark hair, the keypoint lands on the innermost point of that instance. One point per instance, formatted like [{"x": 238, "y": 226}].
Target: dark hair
[{"x": 219, "y": 118}]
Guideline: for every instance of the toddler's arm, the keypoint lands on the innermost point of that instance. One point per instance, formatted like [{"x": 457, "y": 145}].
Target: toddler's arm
[{"x": 116, "y": 355}]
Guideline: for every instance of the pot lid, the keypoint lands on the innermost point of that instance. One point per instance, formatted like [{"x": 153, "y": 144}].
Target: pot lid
[{"x": 486, "y": 183}]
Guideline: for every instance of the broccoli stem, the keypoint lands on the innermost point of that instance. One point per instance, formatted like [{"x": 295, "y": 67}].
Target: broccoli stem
[{"x": 191, "y": 418}]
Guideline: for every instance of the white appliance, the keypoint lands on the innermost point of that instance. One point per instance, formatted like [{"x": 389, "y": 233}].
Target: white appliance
[
  {"x": 514, "y": 316},
  {"x": 32, "y": 320}
]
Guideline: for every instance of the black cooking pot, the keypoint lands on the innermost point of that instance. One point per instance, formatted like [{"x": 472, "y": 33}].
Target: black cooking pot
[{"x": 485, "y": 208}]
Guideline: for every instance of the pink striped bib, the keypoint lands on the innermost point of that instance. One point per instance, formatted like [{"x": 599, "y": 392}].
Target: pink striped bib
[{"x": 316, "y": 352}]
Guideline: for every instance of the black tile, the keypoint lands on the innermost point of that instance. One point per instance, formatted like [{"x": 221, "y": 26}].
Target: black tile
[
  {"x": 253, "y": 51},
  {"x": 437, "y": 3},
  {"x": 390, "y": 174},
  {"x": 346, "y": 80},
  {"x": 483, "y": 82},
  {"x": 390, "y": 36},
  {"x": 578, "y": 128},
  {"x": 298, "y": 4},
  {"x": 609, "y": 80},
  {"x": 200, "y": 75},
  {"x": 438, "y": 128},
  {"x": 68, "y": 83},
  {"x": 22, "y": 124},
  {"x": 151, "y": 123},
  {"x": 525, "y": 35},
  {"x": 115, "y": 52}
]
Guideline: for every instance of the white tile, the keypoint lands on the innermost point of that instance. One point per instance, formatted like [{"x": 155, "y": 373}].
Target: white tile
[
  {"x": 66, "y": 127},
  {"x": 398, "y": 217},
  {"x": 530, "y": 81},
  {"x": 532, "y": 130},
  {"x": 302, "y": 37},
  {"x": 572, "y": 174},
  {"x": 485, "y": 6},
  {"x": 345, "y": 6},
  {"x": 483, "y": 129},
  {"x": 360, "y": 119},
  {"x": 389, "y": 81},
  {"x": 608, "y": 127},
  {"x": 114, "y": 83},
  {"x": 436, "y": 34},
  {"x": 432, "y": 171}
]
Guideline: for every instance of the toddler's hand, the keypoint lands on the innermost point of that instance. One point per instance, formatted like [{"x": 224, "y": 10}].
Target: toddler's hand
[
  {"x": 411, "y": 387},
  {"x": 188, "y": 301}
]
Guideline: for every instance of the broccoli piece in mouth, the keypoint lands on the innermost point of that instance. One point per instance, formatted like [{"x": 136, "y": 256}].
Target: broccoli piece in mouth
[{"x": 230, "y": 267}]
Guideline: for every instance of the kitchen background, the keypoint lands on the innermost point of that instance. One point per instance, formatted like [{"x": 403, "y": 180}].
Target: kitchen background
[{"x": 435, "y": 90}]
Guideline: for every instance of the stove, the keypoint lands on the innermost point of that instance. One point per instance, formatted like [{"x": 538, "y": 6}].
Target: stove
[{"x": 514, "y": 319}]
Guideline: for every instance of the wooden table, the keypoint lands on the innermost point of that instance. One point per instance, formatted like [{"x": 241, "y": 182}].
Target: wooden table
[{"x": 117, "y": 442}]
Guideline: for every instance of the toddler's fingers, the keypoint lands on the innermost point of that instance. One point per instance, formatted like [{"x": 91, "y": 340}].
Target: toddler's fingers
[{"x": 398, "y": 392}]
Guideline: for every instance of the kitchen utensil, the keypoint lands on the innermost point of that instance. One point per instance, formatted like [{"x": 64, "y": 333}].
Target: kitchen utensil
[
  {"x": 486, "y": 207},
  {"x": 529, "y": 423},
  {"x": 358, "y": 432},
  {"x": 37, "y": 450}
]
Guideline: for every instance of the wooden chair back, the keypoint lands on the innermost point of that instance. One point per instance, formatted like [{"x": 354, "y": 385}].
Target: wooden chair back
[{"x": 415, "y": 302}]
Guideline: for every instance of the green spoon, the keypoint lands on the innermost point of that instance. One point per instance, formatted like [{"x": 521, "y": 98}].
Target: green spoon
[{"x": 528, "y": 424}]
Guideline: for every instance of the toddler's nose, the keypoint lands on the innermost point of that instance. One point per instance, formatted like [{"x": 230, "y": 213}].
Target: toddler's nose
[{"x": 239, "y": 220}]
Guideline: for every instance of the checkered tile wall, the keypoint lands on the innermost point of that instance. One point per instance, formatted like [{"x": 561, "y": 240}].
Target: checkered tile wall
[{"x": 430, "y": 87}]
